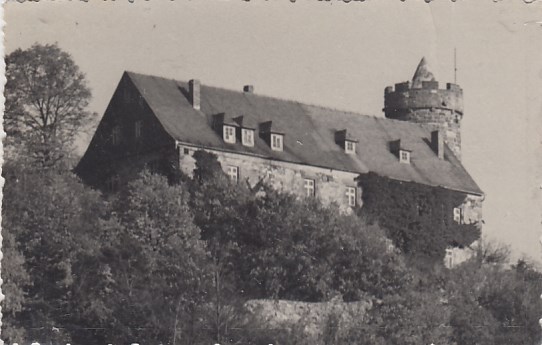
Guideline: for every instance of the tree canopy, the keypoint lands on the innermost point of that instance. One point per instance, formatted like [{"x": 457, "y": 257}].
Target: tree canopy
[
  {"x": 175, "y": 261},
  {"x": 46, "y": 103}
]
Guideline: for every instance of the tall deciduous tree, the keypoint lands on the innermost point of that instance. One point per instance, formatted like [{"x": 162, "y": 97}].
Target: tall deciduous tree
[
  {"x": 157, "y": 264},
  {"x": 52, "y": 219},
  {"x": 15, "y": 279},
  {"x": 46, "y": 100}
]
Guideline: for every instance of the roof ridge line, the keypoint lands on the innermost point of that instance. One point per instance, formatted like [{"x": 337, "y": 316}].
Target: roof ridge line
[
  {"x": 402, "y": 123},
  {"x": 261, "y": 95}
]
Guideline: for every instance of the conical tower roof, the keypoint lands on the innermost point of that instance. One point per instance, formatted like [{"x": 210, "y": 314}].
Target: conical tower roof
[{"x": 422, "y": 74}]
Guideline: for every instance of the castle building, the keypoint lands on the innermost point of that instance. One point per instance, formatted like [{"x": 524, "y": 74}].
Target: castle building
[
  {"x": 308, "y": 150},
  {"x": 423, "y": 102}
]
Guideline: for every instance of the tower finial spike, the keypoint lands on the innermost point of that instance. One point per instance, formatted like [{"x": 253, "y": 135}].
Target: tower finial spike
[{"x": 455, "y": 65}]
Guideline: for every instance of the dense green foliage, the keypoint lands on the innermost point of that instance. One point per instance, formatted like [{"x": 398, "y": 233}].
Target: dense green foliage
[
  {"x": 286, "y": 248},
  {"x": 46, "y": 99},
  {"x": 173, "y": 259},
  {"x": 177, "y": 259},
  {"x": 416, "y": 217},
  {"x": 53, "y": 219}
]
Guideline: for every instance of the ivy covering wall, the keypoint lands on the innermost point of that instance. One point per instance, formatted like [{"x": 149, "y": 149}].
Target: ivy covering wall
[{"x": 419, "y": 219}]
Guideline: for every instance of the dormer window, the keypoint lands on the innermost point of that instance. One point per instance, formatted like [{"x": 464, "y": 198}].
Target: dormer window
[
  {"x": 404, "y": 156},
  {"x": 346, "y": 141},
  {"x": 349, "y": 147},
  {"x": 399, "y": 151},
  {"x": 247, "y": 137},
  {"x": 272, "y": 134},
  {"x": 246, "y": 129},
  {"x": 229, "y": 134},
  {"x": 276, "y": 142}
]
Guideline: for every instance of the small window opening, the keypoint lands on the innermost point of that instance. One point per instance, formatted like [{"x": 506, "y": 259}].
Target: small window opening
[
  {"x": 351, "y": 196},
  {"x": 349, "y": 146},
  {"x": 449, "y": 258},
  {"x": 276, "y": 142},
  {"x": 137, "y": 129},
  {"x": 229, "y": 134},
  {"x": 458, "y": 215},
  {"x": 308, "y": 185},
  {"x": 247, "y": 137},
  {"x": 233, "y": 173},
  {"x": 113, "y": 183},
  {"x": 404, "y": 156}
]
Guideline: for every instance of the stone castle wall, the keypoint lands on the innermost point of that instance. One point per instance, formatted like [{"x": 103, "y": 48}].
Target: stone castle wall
[
  {"x": 429, "y": 96},
  {"x": 311, "y": 318},
  {"x": 330, "y": 185}
]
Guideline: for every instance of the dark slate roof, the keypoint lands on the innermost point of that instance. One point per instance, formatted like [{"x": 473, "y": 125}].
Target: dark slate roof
[{"x": 309, "y": 133}]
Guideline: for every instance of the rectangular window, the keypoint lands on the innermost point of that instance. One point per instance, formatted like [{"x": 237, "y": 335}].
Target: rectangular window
[
  {"x": 115, "y": 135},
  {"x": 308, "y": 184},
  {"x": 229, "y": 134},
  {"x": 449, "y": 258},
  {"x": 349, "y": 147},
  {"x": 137, "y": 129},
  {"x": 404, "y": 156},
  {"x": 458, "y": 215},
  {"x": 113, "y": 183},
  {"x": 276, "y": 142},
  {"x": 233, "y": 173},
  {"x": 351, "y": 196},
  {"x": 247, "y": 137}
]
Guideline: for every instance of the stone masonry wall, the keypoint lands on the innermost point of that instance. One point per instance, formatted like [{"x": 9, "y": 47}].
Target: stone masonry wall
[
  {"x": 405, "y": 97},
  {"x": 330, "y": 185},
  {"x": 309, "y": 318}
]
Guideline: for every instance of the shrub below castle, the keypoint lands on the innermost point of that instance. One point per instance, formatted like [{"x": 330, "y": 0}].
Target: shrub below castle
[{"x": 176, "y": 262}]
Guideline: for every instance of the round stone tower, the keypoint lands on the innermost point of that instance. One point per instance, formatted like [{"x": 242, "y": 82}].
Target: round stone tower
[{"x": 422, "y": 101}]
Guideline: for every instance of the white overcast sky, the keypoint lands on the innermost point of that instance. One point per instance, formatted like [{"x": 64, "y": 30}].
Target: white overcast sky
[{"x": 335, "y": 54}]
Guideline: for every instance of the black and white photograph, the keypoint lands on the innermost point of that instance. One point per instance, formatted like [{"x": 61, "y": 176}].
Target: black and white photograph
[{"x": 281, "y": 172}]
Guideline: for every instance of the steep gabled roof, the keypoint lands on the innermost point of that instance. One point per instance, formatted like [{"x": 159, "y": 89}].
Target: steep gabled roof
[{"x": 309, "y": 133}]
